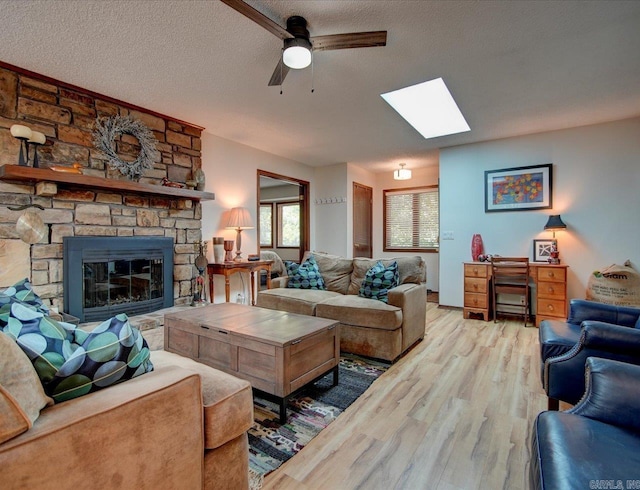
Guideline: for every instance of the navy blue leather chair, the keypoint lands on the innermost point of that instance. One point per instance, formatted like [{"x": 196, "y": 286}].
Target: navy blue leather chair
[
  {"x": 592, "y": 329},
  {"x": 596, "y": 441}
]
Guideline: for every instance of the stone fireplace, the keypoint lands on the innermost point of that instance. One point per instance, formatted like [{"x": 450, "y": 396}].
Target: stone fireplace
[
  {"x": 104, "y": 276},
  {"x": 101, "y": 203}
]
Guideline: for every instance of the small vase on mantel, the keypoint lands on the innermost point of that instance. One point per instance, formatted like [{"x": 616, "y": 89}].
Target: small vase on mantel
[{"x": 476, "y": 247}]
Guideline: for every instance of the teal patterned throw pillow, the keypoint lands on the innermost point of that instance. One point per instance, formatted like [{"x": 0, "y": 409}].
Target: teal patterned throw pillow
[
  {"x": 71, "y": 362},
  {"x": 305, "y": 275},
  {"x": 379, "y": 280},
  {"x": 23, "y": 292}
]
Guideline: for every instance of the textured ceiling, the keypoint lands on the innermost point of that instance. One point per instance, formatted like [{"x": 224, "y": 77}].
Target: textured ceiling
[{"x": 513, "y": 67}]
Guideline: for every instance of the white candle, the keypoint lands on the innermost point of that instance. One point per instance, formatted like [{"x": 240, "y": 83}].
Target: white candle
[
  {"x": 38, "y": 138},
  {"x": 19, "y": 131}
]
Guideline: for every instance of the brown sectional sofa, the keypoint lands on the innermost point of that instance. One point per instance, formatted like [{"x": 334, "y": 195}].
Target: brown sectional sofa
[
  {"x": 149, "y": 432},
  {"x": 367, "y": 327}
]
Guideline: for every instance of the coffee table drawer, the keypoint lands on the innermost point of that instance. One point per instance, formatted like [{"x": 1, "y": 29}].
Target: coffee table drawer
[
  {"x": 311, "y": 357},
  {"x": 181, "y": 342}
]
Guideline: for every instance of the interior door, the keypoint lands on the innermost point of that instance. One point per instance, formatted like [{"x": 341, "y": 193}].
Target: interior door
[{"x": 362, "y": 220}]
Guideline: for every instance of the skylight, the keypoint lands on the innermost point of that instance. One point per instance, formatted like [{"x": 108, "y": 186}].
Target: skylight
[{"x": 429, "y": 108}]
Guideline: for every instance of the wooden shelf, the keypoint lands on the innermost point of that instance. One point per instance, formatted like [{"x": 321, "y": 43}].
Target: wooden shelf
[{"x": 29, "y": 174}]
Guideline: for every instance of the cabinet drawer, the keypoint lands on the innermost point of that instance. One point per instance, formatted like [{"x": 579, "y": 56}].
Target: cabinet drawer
[
  {"x": 475, "y": 285},
  {"x": 551, "y": 290},
  {"x": 472, "y": 300},
  {"x": 475, "y": 270},
  {"x": 551, "y": 307},
  {"x": 552, "y": 274}
]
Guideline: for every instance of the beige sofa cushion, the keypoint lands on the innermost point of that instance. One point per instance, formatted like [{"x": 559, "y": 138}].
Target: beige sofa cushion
[
  {"x": 335, "y": 271},
  {"x": 22, "y": 390},
  {"x": 227, "y": 400},
  {"x": 410, "y": 269},
  {"x": 362, "y": 312},
  {"x": 301, "y": 301}
]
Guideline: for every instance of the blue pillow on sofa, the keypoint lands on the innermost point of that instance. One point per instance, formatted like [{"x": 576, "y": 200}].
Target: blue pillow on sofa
[
  {"x": 305, "y": 275},
  {"x": 378, "y": 280}
]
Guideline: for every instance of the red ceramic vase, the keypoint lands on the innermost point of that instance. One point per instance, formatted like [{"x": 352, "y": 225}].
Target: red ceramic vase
[{"x": 476, "y": 247}]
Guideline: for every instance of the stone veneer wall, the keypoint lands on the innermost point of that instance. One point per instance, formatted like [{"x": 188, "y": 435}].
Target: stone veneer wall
[{"x": 66, "y": 115}]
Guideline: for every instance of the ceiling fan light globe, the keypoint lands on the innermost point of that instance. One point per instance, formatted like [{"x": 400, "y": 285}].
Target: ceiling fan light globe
[{"x": 296, "y": 57}]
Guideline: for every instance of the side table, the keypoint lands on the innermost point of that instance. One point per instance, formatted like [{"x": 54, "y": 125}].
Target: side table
[{"x": 227, "y": 269}]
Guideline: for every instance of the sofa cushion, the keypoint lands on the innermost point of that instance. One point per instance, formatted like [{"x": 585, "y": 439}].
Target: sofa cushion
[
  {"x": 227, "y": 400},
  {"x": 71, "y": 362},
  {"x": 22, "y": 396},
  {"x": 362, "y": 312},
  {"x": 301, "y": 301},
  {"x": 305, "y": 275},
  {"x": 378, "y": 281},
  {"x": 22, "y": 291},
  {"x": 336, "y": 271},
  {"x": 410, "y": 270}
]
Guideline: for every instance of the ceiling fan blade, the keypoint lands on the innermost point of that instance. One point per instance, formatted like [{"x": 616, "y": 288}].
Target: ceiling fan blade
[
  {"x": 350, "y": 40},
  {"x": 279, "y": 74},
  {"x": 259, "y": 18}
]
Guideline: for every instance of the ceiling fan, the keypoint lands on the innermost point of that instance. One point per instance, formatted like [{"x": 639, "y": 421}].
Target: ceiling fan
[{"x": 297, "y": 43}]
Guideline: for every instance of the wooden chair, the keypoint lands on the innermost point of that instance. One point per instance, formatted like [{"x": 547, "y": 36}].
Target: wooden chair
[{"x": 510, "y": 275}]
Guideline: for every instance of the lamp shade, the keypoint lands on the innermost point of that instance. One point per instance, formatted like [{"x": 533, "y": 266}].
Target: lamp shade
[
  {"x": 402, "y": 173},
  {"x": 555, "y": 223},
  {"x": 240, "y": 218},
  {"x": 297, "y": 53}
]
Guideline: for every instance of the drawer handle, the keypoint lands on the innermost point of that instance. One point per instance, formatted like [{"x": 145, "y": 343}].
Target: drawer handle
[
  {"x": 223, "y": 331},
  {"x": 550, "y": 307},
  {"x": 475, "y": 271},
  {"x": 296, "y": 342},
  {"x": 475, "y": 301},
  {"x": 475, "y": 286},
  {"x": 550, "y": 289},
  {"x": 204, "y": 326},
  {"x": 551, "y": 274}
]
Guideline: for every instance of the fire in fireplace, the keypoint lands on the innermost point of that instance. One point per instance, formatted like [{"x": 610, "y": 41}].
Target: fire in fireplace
[{"x": 104, "y": 276}]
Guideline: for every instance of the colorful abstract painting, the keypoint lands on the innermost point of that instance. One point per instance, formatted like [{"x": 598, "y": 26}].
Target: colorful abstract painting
[{"x": 517, "y": 189}]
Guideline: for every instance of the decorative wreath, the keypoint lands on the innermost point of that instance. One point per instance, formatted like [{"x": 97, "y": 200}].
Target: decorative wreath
[{"x": 107, "y": 128}]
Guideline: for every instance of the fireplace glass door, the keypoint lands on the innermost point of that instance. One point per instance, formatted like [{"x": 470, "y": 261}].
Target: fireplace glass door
[{"x": 116, "y": 282}]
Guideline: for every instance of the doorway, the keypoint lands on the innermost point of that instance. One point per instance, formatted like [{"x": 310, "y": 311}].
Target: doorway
[
  {"x": 283, "y": 215},
  {"x": 362, "y": 220}
]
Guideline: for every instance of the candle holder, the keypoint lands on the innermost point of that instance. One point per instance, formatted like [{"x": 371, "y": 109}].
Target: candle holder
[
  {"x": 37, "y": 139},
  {"x": 22, "y": 133},
  {"x": 228, "y": 248}
]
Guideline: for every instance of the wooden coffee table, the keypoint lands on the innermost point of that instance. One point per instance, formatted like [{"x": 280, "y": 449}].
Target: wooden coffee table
[{"x": 276, "y": 351}]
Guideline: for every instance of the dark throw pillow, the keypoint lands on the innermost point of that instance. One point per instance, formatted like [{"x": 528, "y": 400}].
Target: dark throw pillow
[
  {"x": 71, "y": 362},
  {"x": 378, "y": 280},
  {"x": 304, "y": 276}
]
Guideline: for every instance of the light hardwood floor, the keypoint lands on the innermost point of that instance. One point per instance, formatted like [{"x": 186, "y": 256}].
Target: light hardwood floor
[{"x": 455, "y": 413}]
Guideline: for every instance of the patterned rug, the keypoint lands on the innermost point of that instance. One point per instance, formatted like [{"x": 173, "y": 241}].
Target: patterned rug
[{"x": 271, "y": 444}]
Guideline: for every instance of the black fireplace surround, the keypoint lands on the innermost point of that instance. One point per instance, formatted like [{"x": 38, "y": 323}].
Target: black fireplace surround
[{"x": 105, "y": 276}]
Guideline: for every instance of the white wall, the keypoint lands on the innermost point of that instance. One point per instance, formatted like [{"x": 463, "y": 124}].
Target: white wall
[
  {"x": 231, "y": 173},
  {"x": 596, "y": 190}
]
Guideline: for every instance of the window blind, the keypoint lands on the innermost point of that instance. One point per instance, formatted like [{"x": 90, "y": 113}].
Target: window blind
[{"x": 411, "y": 219}]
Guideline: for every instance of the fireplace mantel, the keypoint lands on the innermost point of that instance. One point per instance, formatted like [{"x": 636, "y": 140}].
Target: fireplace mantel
[{"x": 29, "y": 174}]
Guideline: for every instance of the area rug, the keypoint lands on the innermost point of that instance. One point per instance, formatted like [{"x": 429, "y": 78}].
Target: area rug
[{"x": 314, "y": 408}]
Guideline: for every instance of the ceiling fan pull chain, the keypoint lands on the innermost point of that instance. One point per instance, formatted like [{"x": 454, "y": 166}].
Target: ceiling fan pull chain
[
  {"x": 312, "y": 89},
  {"x": 281, "y": 63}
]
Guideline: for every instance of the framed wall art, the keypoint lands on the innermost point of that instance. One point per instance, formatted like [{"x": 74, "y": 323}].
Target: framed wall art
[
  {"x": 518, "y": 189},
  {"x": 542, "y": 249}
]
